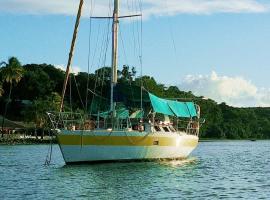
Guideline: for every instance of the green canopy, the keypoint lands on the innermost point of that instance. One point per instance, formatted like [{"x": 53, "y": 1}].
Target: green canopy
[
  {"x": 122, "y": 113},
  {"x": 192, "y": 109},
  {"x": 173, "y": 108},
  {"x": 180, "y": 109},
  {"x": 103, "y": 114},
  {"x": 160, "y": 105}
]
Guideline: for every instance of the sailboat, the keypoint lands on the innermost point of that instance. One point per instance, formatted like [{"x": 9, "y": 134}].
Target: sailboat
[{"x": 118, "y": 135}]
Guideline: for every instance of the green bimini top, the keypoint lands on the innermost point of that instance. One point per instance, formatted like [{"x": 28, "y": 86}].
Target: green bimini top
[
  {"x": 160, "y": 105},
  {"x": 173, "y": 108}
]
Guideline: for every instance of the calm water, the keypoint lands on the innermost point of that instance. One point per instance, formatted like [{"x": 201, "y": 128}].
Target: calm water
[{"x": 215, "y": 170}]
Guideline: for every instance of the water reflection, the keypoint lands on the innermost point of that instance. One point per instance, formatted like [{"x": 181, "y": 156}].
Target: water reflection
[{"x": 181, "y": 162}]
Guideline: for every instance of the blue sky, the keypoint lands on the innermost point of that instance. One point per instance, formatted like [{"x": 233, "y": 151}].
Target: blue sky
[{"x": 219, "y": 49}]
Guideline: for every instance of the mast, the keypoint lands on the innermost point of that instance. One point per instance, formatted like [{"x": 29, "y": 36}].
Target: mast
[
  {"x": 115, "y": 27},
  {"x": 71, "y": 53}
]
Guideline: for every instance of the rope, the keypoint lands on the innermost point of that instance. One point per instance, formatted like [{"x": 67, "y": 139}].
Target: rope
[
  {"x": 49, "y": 153},
  {"x": 97, "y": 95}
]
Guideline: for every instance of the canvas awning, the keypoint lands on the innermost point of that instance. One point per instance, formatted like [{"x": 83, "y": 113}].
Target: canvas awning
[
  {"x": 173, "y": 108},
  {"x": 160, "y": 105}
]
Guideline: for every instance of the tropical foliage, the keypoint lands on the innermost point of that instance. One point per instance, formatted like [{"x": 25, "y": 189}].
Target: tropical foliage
[
  {"x": 36, "y": 89},
  {"x": 36, "y": 112},
  {"x": 11, "y": 73}
]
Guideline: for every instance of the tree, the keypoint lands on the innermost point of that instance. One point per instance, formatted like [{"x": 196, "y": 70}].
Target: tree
[
  {"x": 104, "y": 74},
  {"x": 1, "y": 90},
  {"x": 128, "y": 75},
  {"x": 11, "y": 73},
  {"x": 1, "y": 85},
  {"x": 36, "y": 112},
  {"x": 35, "y": 84}
]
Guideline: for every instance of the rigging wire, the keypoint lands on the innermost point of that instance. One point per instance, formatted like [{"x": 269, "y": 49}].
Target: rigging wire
[
  {"x": 89, "y": 53},
  {"x": 122, "y": 42},
  {"x": 93, "y": 59},
  {"x": 95, "y": 51},
  {"x": 101, "y": 59},
  {"x": 105, "y": 55},
  {"x": 125, "y": 55},
  {"x": 79, "y": 94},
  {"x": 105, "y": 47},
  {"x": 70, "y": 92},
  {"x": 171, "y": 34},
  {"x": 133, "y": 7},
  {"x": 94, "y": 93},
  {"x": 140, "y": 44}
]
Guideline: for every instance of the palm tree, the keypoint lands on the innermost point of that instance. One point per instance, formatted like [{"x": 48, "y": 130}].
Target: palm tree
[
  {"x": 1, "y": 89},
  {"x": 11, "y": 73},
  {"x": 1, "y": 84}
]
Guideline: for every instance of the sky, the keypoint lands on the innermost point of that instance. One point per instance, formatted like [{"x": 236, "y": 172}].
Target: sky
[{"x": 219, "y": 49}]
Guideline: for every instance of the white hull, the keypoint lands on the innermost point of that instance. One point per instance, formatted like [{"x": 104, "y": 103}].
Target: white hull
[{"x": 102, "y": 147}]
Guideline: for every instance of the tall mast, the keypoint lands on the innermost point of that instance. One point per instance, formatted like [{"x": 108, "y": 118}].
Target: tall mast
[
  {"x": 115, "y": 27},
  {"x": 71, "y": 54}
]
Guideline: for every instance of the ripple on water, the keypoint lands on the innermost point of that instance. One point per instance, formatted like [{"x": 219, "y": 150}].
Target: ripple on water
[{"x": 216, "y": 170}]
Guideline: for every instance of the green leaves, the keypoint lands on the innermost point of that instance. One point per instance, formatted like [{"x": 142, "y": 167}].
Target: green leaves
[
  {"x": 12, "y": 71},
  {"x": 36, "y": 112},
  {"x": 41, "y": 85}
]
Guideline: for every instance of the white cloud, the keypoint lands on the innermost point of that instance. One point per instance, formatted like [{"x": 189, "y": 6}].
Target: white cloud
[
  {"x": 173, "y": 7},
  {"x": 150, "y": 7},
  {"x": 235, "y": 91},
  {"x": 74, "y": 69}
]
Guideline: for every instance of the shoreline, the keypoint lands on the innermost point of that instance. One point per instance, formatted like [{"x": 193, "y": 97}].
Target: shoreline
[
  {"x": 36, "y": 141},
  {"x": 230, "y": 140},
  {"x": 26, "y": 141}
]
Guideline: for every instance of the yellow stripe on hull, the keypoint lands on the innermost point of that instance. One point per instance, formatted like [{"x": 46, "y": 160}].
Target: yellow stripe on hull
[{"x": 124, "y": 140}]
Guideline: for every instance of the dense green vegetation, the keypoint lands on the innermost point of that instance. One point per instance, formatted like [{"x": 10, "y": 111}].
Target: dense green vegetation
[{"x": 28, "y": 91}]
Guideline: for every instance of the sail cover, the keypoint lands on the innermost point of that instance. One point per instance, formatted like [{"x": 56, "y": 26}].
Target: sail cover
[
  {"x": 121, "y": 113},
  {"x": 173, "y": 108}
]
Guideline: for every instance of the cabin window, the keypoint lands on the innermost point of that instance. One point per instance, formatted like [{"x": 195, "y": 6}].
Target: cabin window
[
  {"x": 166, "y": 129},
  {"x": 157, "y": 128},
  {"x": 171, "y": 128}
]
